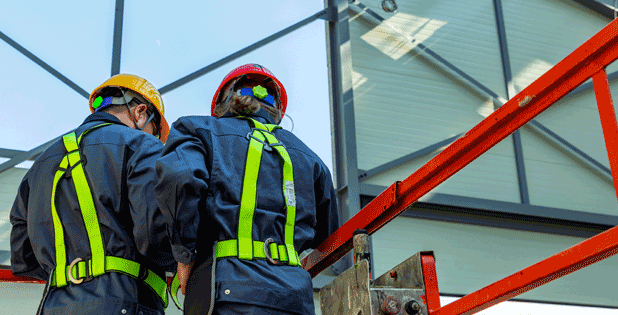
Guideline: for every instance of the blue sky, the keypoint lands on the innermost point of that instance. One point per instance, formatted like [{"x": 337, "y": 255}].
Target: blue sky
[{"x": 162, "y": 43}]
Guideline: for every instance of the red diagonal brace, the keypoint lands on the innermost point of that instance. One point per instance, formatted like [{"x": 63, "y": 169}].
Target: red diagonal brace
[
  {"x": 579, "y": 256},
  {"x": 591, "y": 57},
  {"x": 608, "y": 121}
]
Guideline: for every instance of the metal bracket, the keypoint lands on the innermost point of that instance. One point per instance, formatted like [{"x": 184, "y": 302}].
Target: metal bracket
[
  {"x": 329, "y": 14},
  {"x": 400, "y": 291}
]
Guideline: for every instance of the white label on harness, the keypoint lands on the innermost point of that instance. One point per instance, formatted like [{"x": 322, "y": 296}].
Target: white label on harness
[{"x": 289, "y": 193}]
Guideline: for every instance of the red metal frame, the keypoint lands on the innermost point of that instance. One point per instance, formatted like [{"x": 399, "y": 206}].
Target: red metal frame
[
  {"x": 7, "y": 276},
  {"x": 589, "y": 60},
  {"x": 579, "y": 256},
  {"x": 432, "y": 294}
]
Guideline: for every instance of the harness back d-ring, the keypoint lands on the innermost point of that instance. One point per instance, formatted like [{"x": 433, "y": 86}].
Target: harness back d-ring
[
  {"x": 73, "y": 280},
  {"x": 267, "y": 251}
]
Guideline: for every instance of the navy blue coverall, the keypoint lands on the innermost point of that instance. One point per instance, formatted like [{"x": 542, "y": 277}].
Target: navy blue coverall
[
  {"x": 200, "y": 179},
  {"x": 120, "y": 168}
]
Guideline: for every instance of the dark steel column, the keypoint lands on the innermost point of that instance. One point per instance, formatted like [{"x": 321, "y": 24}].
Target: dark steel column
[
  {"x": 510, "y": 90},
  {"x": 116, "y": 50},
  {"x": 342, "y": 114}
]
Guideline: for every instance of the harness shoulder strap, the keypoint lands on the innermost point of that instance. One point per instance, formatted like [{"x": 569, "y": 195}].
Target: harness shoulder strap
[
  {"x": 260, "y": 137},
  {"x": 71, "y": 163}
]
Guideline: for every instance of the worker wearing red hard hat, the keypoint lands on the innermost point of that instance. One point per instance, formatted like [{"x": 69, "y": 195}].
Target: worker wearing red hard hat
[
  {"x": 244, "y": 197},
  {"x": 86, "y": 219}
]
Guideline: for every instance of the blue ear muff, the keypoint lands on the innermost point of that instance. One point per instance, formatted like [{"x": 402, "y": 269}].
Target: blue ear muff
[{"x": 101, "y": 102}]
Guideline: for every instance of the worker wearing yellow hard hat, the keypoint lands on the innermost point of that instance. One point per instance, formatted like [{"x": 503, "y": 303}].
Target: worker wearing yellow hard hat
[
  {"x": 243, "y": 197},
  {"x": 85, "y": 218},
  {"x": 123, "y": 88}
]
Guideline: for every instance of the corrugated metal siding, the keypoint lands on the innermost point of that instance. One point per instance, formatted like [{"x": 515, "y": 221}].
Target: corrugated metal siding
[
  {"x": 577, "y": 120},
  {"x": 470, "y": 257},
  {"x": 556, "y": 180},
  {"x": 540, "y": 33},
  {"x": 404, "y": 103},
  {"x": 462, "y": 32}
]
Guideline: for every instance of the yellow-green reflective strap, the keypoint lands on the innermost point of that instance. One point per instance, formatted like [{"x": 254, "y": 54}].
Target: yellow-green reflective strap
[
  {"x": 229, "y": 248},
  {"x": 262, "y": 133},
  {"x": 249, "y": 192},
  {"x": 174, "y": 288},
  {"x": 61, "y": 255},
  {"x": 290, "y": 198},
  {"x": 117, "y": 264},
  {"x": 61, "y": 259},
  {"x": 86, "y": 204}
]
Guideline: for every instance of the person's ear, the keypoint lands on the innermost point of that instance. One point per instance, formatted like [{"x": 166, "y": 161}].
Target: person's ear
[{"x": 141, "y": 113}]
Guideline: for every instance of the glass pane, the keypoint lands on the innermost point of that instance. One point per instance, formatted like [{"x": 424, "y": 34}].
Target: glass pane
[
  {"x": 36, "y": 106},
  {"x": 165, "y": 42},
  {"x": 74, "y": 37}
]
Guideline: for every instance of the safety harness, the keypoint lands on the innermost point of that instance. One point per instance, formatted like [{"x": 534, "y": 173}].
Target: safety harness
[
  {"x": 85, "y": 269},
  {"x": 260, "y": 138}
]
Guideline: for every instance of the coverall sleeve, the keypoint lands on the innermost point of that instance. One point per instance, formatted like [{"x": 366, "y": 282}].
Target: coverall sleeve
[
  {"x": 183, "y": 182},
  {"x": 326, "y": 212},
  {"x": 149, "y": 228},
  {"x": 23, "y": 261}
]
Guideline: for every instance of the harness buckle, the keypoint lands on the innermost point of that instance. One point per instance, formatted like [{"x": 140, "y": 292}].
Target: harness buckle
[
  {"x": 86, "y": 278},
  {"x": 250, "y": 135},
  {"x": 267, "y": 250}
]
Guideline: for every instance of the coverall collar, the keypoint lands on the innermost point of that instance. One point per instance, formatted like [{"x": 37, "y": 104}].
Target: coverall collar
[
  {"x": 262, "y": 116},
  {"x": 102, "y": 117}
]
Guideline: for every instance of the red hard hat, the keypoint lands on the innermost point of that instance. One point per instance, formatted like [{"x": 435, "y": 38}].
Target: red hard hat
[{"x": 251, "y": 68}]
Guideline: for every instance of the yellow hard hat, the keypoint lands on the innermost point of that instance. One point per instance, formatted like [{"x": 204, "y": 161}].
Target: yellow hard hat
[{"x": 141, "y": 86}]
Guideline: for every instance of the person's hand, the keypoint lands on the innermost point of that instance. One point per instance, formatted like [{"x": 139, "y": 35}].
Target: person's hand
[{"x": 184, "y": 270}]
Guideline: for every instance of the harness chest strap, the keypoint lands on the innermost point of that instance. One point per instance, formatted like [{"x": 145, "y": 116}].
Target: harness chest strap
[{"x": 99, "y": 264}]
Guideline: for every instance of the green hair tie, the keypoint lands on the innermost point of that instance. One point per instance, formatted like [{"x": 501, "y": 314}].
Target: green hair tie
[{"x": 260, "y": 92}]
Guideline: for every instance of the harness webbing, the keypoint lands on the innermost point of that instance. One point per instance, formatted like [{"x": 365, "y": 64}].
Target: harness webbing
[
  {"x": 245, "y": 247},
  {"x": 98, "y": 264},
  {"x": 262, "y": 137}
]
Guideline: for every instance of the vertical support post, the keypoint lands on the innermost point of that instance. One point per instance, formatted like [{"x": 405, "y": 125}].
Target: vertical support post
[
  {"x": 342, "y": 114},
  {"x": 116, "y": 49},
  {"x": 608, "y": 121},
  {"x": 510, "y": 92},
  {"x": 432, "y": 293},
  {"x": 362, "y": 247}
]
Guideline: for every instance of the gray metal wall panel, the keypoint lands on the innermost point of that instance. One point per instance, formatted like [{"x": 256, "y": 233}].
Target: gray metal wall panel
[
  {"x": 492, "y": 176},
  {"x": 555, "y": 180},
  {"x": 540, "y": 33},
  {"x": 405, "y": 104},
  {"x": 470, "y": 257},
  {"x": 577, "y": 120},
  {"x": 462, "y": 32}
]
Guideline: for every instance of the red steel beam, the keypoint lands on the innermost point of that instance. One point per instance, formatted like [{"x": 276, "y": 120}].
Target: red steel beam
[
  {"x": 588, "y": 59},
  {"x": 608, "y": 121},
  {"x": 432, "y": 293},
  {"x": 7, "y": 276},
  {"x": 592, "y": 250}
]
